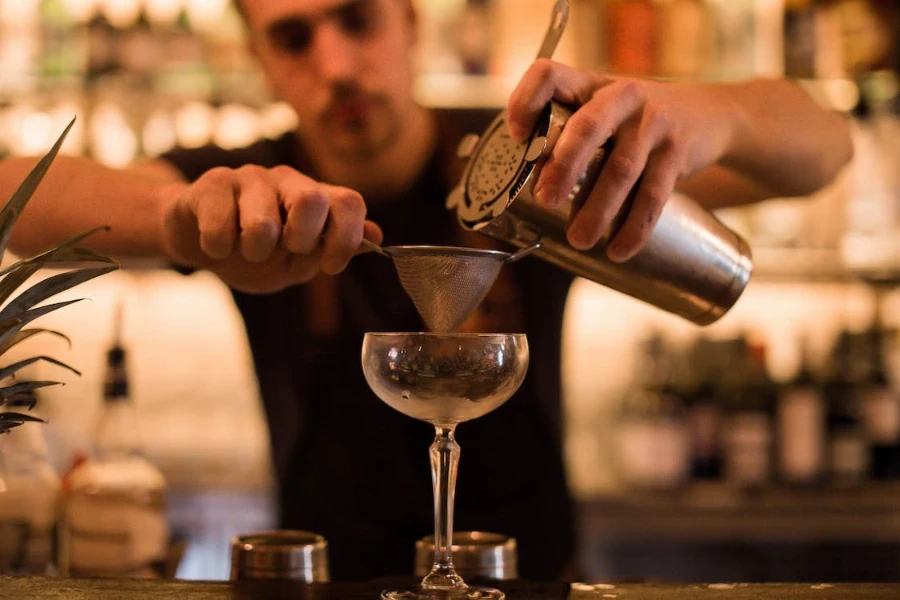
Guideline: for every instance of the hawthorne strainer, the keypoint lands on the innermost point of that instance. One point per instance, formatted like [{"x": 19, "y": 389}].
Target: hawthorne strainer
[
  {"x": 692, "y": 265},
  {"x": 446, "y": 283}
]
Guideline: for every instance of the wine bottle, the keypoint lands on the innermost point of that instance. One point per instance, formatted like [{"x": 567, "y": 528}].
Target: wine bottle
[{"x": 801, "y": 427}]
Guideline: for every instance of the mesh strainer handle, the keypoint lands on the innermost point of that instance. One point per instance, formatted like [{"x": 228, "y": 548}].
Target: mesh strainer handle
[
  {"x": 555, "y": 31},
  {"x": 522, "y": 253},
  {"x": 373, "y": 246}
]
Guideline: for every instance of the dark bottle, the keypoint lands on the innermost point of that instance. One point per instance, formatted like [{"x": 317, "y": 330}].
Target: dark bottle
[
  {"x": 880, "y": 406},
  {"x": 652, "y": 439},
  {"x": 748, "y": 429},
  {"x": 704, "y": 411},
  {"x": 848, "y": 455},
  {"x": 800, "y": 419}
]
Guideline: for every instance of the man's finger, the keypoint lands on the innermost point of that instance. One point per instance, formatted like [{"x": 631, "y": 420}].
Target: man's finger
[
  {"x": 213, "y": 201},
  {"x": 653, "y": 192},
  {"x": 344, "y": 232},
  {"x": 259, "y": 214},
  {"x": 543, "y": 81},
  {"x": 587, "y": 129}
]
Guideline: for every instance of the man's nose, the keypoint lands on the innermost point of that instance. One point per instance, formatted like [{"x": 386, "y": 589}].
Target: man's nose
[{"x": 334, "y": 54}]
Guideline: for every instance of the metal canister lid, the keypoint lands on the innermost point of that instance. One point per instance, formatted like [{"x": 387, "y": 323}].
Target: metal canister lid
[
  {"x": 283, "y": 554},
  {"x": 475, "y": 553}
]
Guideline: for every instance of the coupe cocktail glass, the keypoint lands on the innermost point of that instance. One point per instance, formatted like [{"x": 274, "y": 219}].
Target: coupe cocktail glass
[{"x": 444, "y": 379}]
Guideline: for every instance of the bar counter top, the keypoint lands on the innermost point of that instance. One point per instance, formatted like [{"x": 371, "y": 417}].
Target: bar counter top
[{"x": 40, "y": 588}]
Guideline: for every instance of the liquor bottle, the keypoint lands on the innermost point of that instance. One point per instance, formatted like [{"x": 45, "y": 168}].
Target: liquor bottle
[
  {"x": 748, "y": 428},
  {"x": 113, "y": 522},
  {"x": 29, "y": 500},
  {"x": 685, "y": 42},
  {"x": 848, "y": 453},
  {"x": 652, "y": 436},
  {"x": 631, "y": 37},
  {"x": 704, "y": 411},
  {"x": 801, "y": 427},
  {"x": 880, "y": 406}
]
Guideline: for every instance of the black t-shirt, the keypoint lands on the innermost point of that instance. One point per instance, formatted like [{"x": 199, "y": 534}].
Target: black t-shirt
[{"x": 350, "y": 467}]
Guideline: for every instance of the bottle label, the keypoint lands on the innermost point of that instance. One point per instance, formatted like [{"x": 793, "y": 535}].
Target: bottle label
[
  {"x": 881, "y": 415},
  {"x": 801, "y": 434},
  {"x": 704, "y": 420},
  {"x": 849, "y": 454},
  {"x": 747, "y": 441},
  {"x": 653, "y": 454}
]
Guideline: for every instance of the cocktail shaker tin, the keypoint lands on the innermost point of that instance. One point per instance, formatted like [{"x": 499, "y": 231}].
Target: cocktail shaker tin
[{"x": 692, "y": 265}]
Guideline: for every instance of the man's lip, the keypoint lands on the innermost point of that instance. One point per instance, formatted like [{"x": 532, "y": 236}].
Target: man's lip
[{"x": 350, "y": 111}]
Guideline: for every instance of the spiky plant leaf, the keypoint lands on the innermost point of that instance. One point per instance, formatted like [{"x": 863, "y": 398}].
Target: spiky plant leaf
[
  {"x": 9, "y": 327},
  {"x": 82, "y": 264},
  {"x": 26, "y": 399},
  {"x": 9, "y": 420},
  {"x": 77, "y": 253},
  {"x": 15, "y": 367},
  {"x": 21, "y": 336},
  {"x": 9, "y": 391},
  {"x": 50, "y": 287},
  {"x": 65, "y": 255},
  {"x": 20, "y": 198}
]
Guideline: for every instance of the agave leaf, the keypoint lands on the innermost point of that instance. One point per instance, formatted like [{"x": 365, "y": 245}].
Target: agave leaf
[
  {"x": 27, "y": 399},
  {"x": 24, "y": 386},
  {"x": 50, "y": 287},
  {"x": 21, "y": 336},
  {"x": 64, "y": 252},
  {"x": 14, "y": 420},
  {"x": 20, "y": 198},
  {"x": 59, "y": 257},
  {"x": 9, "y": 420},
  {"x": 13, "y": 368},
  {"x": 17, "y": 277},
  {"x": 9, "y": 327}
]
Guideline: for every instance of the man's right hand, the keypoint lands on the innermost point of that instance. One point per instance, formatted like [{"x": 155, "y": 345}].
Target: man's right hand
[{"x": 261, "y": 230}]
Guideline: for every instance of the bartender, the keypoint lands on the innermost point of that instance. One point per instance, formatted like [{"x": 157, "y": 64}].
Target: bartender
[{"x": 280, "y": 222}]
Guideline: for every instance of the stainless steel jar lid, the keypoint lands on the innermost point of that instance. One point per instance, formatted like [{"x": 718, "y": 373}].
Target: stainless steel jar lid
[{"x": 283, "y": 554}]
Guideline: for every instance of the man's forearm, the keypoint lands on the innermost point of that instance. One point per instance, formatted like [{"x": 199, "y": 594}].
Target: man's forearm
[
  {"x": 78, "y": 194},
  {"x": 782, "y": 139}
]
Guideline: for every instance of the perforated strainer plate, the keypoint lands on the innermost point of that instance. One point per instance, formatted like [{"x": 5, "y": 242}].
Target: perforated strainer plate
[{"x": 495, "y": 168}]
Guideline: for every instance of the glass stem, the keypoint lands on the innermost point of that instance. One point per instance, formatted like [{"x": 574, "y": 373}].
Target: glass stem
[{"x": 444, "y": 454}]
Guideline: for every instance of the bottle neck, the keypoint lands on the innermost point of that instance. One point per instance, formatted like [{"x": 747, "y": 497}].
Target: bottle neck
[{"x": 117, "y": 431}]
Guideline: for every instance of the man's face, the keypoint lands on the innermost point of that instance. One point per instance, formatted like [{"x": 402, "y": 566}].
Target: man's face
[{"x": 343, "y": 65}]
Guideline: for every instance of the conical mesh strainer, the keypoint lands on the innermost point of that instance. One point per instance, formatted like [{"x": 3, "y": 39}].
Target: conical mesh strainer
[{"x": 446, "y": 283}]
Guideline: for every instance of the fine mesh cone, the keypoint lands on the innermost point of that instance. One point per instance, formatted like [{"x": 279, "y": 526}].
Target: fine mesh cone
[{"x": 446, "y": 284}]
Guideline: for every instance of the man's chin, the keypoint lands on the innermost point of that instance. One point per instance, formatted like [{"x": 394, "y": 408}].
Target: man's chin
[{"x": 357, "y": 147}]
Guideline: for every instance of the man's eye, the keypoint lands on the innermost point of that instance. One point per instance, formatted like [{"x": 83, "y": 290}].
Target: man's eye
[
  {"x": 293, "y": 38},
  {"x": 357, "y": 19}
]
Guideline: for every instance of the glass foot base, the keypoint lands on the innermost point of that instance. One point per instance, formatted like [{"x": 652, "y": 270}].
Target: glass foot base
[{"x": 419, "y": 593}]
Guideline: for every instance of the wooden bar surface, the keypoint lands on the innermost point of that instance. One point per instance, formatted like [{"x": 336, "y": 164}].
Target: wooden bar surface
[{"x": 40, "y": 588}]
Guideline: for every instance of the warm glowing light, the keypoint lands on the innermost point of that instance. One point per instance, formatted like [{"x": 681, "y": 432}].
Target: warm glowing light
[
  {"x": 277, "y": 119},
  {"x": 237, "y": 126},
  {"x": 158, "y": 135},
  {"x": 163, "y": 12},
  {"x": 81, "y": 11},
  {"x": 205, "y": 14},
  {"x": 121, "y": 13},
  {"x": 35, "y": 133},
  {"x": 194, "y": 123},
  {"x": 113, "y": 143},
  {"x": 19, "y": 12}
]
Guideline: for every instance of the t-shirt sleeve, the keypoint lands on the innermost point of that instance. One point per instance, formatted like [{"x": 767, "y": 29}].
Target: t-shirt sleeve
[{"x": 194, "y": 162}]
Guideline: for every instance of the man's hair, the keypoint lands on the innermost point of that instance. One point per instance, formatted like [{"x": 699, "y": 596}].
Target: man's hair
[{"x": 240, "y": 9}]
